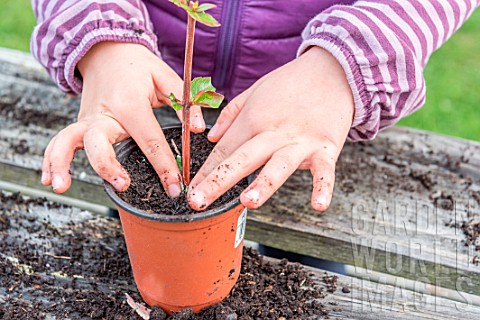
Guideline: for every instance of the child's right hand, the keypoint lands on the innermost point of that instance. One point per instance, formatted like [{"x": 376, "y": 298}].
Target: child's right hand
[{"x": 121, "y": 85}]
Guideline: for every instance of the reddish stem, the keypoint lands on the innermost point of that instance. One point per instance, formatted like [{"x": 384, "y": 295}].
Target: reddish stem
[{"x": 187, "y": 80}]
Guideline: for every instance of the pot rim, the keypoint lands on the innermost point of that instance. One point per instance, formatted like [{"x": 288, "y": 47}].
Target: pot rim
[{"x": 202, "y": 215}]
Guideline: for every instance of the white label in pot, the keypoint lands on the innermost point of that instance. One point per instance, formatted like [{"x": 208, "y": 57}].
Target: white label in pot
[{"x": 241, "y": 224}]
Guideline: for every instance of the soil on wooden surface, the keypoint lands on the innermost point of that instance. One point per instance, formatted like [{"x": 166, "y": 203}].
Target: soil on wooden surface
[
  {"x": 146, "y": 191},
  {"x": 10, "y": 110},
  {"x": 63, "y": 262},
  {"x": 471, "y": 231}
]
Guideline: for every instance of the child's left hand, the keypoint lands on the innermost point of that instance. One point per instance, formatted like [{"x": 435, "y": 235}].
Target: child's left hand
[{"x": 297, "y": 116}]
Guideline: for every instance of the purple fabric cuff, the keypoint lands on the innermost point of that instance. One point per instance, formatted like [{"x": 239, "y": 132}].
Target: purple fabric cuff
[
  {"x": 346, "y": 58},
  {"x": 69, "y": 80}
]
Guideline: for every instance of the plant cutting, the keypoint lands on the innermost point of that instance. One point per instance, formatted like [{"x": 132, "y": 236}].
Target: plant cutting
[
  {"x": 200, "y": 91},
  {"x": 181, "y": 258}
]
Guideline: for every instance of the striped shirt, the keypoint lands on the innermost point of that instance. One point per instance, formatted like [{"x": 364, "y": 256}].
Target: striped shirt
[{"x": 382, "y": 45}]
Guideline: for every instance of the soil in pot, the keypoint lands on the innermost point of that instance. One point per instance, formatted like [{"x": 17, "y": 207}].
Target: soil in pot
[{"x": 146, "y": 191}]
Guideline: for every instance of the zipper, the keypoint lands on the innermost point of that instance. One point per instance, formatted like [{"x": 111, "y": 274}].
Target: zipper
[{"x": 226, "y": 45}]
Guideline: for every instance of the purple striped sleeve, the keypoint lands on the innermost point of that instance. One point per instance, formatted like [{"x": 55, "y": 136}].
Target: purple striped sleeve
[
  {"x": 67, "y": 29},
  {"x": 383, "y": 47}
]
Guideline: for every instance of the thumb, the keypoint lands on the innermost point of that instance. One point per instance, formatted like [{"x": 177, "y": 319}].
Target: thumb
[
  {"x": 227, "y": 116},
  {"x": 230, "y": 113}
]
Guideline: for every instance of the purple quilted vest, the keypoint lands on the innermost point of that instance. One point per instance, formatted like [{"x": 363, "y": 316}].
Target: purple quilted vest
[{"x": 256, "y": 37}]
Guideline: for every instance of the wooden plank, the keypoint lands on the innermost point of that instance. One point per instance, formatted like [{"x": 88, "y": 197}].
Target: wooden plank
[
  {"x": 369, "y": 300},
  {"x": 51, "y": 229},
  {"x": 389, "y": 221},
  {"x": 391, "y": 204}
]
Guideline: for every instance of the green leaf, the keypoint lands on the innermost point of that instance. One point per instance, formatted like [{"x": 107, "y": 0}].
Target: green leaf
[
  {"x": 208, "y": 99},
  {"x": 205, "y": 6},
  {"x": 178, "y": 158},
  {"x": 198, "y": 12},
  {"x": 200, "y": 84},
  {"x": 203, "y": 94},
  {"x": 181, "y": 4},
  {"x": 176, "y": 104},
  {"x": 204, "y": 18}
]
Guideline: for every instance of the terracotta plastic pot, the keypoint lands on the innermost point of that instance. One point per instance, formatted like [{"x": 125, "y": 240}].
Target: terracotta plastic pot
[{"x": 184, "y": 261}]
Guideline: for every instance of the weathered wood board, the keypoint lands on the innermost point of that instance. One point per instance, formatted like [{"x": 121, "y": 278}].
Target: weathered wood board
[
  {"x": 394, "y": 203},
  {"x": 36, "y": 230},
  {"x": 384, "y": 217}
]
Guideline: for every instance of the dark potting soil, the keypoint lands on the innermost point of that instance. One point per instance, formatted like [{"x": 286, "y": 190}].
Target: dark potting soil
[
  {"x": 146, "y": 191},
  {"x": 63, "y": 262}
]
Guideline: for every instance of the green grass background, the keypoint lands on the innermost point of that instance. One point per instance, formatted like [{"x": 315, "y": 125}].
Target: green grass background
[{"x": 452, "y": 75}]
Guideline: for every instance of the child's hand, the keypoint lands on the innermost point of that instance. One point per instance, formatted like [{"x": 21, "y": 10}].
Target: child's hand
[
  {"x": 122, "y": 82},
  {"x": 296, "y": 116}
]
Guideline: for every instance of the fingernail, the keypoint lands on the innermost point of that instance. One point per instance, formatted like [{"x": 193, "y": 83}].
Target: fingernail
[
  {"x": 213, "y": 131},
  {"x": 57, "y": 182},
  {"x": 199, "y": 198},
  {"x": 322, "y": 201},
  {"x": 44, "y": 177},
  {"x": 174, "y": 190},
  {"x": 119, "y": 183},
  {"x": 253, "y": 195}
]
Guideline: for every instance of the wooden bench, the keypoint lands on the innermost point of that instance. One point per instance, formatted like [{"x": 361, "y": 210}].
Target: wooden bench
[
  {"x": 28, "y": 240},
  {"x": 397, "y": 201}
]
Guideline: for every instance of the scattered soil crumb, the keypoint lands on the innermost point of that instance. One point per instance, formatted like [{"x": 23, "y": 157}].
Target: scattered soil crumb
[
  {"x": 20, "y": 147},
  {"x": 424, "y": 178},
  {"x": 331, "y": 282},
  {"x": 471, "y": 230},
  {"x": 345, "y": 290},
  {"x": 476, "y": 196},
  {"x": 443, "y": 200}
]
